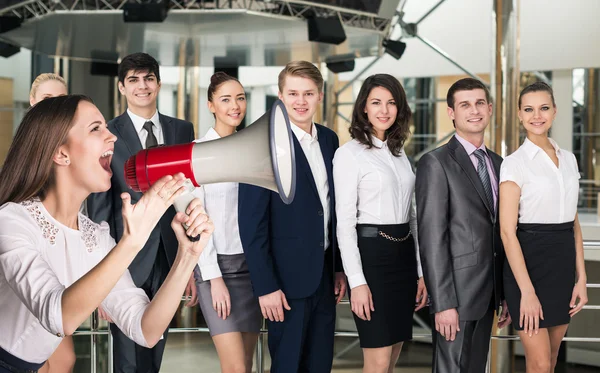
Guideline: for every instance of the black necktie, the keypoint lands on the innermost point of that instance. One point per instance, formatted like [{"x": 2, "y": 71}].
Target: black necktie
[
  {"x": 151, "y": 139},
  {"x": 484, "y": 176}
]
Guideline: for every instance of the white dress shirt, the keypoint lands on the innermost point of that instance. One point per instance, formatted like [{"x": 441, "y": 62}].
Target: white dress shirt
[
  {"x": 549, "y": 194},
  {"x": 39, "y": 258},
  {"x": 138, "y": 123},
  {"x": 312, "y": 151},
  {"x": 372, "y": 186},
  {"x": 221, "y": 204}
]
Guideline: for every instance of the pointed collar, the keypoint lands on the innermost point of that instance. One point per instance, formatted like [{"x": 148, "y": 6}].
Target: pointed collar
[{"x": 531, "y": 149}]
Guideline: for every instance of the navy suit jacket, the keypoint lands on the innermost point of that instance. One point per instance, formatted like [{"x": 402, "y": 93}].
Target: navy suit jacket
[
  {"x": 284, "y": 244},
  {"x": 107, "y": 206}
]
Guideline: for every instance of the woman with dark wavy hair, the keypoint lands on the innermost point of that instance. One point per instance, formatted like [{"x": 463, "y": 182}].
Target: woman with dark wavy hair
[{"x": 376, "y": 222}]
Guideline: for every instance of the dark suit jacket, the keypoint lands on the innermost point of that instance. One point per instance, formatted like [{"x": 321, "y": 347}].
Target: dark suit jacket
[
  {"x": 107, "y": 206},
  {"x": 459, "y": 236},
  {"x": 284, "y": 244}
]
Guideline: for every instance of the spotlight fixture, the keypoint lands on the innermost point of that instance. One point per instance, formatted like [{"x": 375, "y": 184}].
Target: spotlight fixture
[
  {"x": 341, "y": 63},
  {"x": 326, "y": 30},
  {"x": 145, "y": 12},
  {"x": 394, "y": 48}
]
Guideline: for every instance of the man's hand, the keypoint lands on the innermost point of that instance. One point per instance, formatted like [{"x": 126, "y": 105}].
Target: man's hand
[
  {"x": 447, "y": 323},
  {"x": 504, "y": 318},
  {"x": 340, "y": 286},
  {"x": 272, "y": 305},
  {"x": 190, "y": 291}
]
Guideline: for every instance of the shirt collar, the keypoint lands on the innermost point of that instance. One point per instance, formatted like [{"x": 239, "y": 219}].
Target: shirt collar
[
  {"x": 211, "y": 134},
  {"x": 301, "y": 134},
  {"x": 531, "y": 149},
  {"x": 378, "y": 143},
  {"x": 138, "y": 122},
  {"x": 470, "y": 148}
]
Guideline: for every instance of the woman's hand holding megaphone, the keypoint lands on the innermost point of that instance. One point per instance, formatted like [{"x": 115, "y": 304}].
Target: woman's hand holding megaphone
[
  {"x": 198, "y": 223},
  {"x": 140, "y": 219}
]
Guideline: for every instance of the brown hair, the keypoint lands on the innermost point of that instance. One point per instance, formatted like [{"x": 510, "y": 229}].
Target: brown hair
[
  {"x": 216, "y": 80},
  {"x": 302, "y": 69},
  {"x": 29, "y": 167},
  {"x": 43, "y": 78},
  {"x": 537, "y": 87},
  {"x": 466, "y": 84},
  {"x": 361, "y": 129}
]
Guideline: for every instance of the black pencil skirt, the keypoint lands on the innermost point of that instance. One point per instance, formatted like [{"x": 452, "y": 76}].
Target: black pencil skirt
[
  {"x": 549, "y": 252},
  {"x": 390, "y": 268}
]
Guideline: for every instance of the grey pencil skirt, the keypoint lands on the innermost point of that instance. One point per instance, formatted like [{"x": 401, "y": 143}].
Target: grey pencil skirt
[{"x": 245, "y": 311}]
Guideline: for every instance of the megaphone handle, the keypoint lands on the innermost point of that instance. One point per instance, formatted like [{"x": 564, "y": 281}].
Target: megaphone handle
[{"x": 182, "y": 202}]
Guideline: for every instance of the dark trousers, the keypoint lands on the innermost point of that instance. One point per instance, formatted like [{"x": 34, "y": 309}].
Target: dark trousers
[
  {"x": 12, "y": 364},
  {"x": 303, "y": 342},
  {"x": 130, "y": 357},
  {"x": 468, "y": 353}
]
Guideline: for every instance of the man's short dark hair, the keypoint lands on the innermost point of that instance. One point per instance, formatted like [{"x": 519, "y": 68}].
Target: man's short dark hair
[
  {"x": 466, "y": 84},
  {"x": 138, "y": 62}
]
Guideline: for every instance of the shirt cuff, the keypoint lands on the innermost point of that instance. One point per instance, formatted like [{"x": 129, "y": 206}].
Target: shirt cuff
[
  {"x": 419, "y": 270},
  {"x": 209, "y": 272},
  {"x": 357, "y": 280},
  {"x": 55, "y": 321},
  {"x": 137, "y": 334}
]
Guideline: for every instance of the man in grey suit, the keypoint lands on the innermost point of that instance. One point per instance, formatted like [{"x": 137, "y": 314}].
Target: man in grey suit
[
  {"x": 459, "y": 237},
  {"x": 140, "y": 127}
]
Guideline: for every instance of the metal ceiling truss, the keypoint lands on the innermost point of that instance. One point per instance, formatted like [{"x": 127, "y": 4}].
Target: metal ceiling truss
[{"x": 34, "y": 9}]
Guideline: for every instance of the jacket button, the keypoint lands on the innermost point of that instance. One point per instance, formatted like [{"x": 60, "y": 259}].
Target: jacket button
[{"x": 320, "y": 212}]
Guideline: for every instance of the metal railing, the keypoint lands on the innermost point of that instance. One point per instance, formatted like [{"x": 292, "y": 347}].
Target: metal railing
[{"x": 260, "y": 363}]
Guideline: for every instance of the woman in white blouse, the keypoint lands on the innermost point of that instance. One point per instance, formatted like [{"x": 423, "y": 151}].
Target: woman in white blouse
[
  {"x": 377, "y": 224},
  {"x": 56, "y": 265},
  {"x": 224, "y": 288},
  {"x": 544, "y": 274}
]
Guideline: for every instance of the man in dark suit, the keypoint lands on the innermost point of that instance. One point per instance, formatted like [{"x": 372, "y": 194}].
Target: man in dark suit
[
  {"x": 459, "y": 237},
  {"x": 140, "y": 127},
  {"x": 291, "y": 250}
]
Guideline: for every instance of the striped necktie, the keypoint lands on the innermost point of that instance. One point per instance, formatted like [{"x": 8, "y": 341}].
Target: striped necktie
[{"x": 484, "y": 176}]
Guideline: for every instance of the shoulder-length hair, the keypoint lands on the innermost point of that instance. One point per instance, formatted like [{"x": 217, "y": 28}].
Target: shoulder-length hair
[
  {"x": 361, "y": 129},
  {"x": 29, "y": 169}
]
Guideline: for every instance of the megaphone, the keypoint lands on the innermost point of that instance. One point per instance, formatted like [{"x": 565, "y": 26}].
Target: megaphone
[{"x": 261, "y": 155}]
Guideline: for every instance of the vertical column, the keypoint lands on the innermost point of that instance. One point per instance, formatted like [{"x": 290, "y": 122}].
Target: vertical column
[
  {"x": 562, "y": 129},
  {"x": 504, "y": 129},
  {"x": 258, "y": 104},
  {"x": 505, "y": 76}
]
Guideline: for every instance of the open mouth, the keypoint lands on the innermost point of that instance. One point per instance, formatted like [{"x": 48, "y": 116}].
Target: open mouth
[
  {"x": 301, "y": 111},
  {"x": 474, "y": 120},
  {"x": 105, "y": 160}
]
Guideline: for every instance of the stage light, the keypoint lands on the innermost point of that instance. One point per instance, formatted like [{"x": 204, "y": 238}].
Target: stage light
[
  {"x": 341, "y": 63},
  {"x": 326, "y": 30},
  {"x": 394, "y": 48},
  {"x": 145, "y": 12}
]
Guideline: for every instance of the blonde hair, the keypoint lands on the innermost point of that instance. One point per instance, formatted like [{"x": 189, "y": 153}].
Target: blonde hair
[
  {"x": 302, "y": 69},
  {"x": 43, "y": 78}
]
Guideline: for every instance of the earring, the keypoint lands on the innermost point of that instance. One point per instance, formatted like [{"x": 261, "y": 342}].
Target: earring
[{"x": 67, "y": 161}]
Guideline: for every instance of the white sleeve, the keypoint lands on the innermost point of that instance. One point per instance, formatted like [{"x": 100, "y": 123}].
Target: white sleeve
[
  {"x": 346, "y": 178},
  {"x": 126, "y": 303},
  {"x": 511, "y": 171},
  {"x": 27, "y": 272},
  {"x": 208, "y": 263},
  {"x": 415, "y": 233}
]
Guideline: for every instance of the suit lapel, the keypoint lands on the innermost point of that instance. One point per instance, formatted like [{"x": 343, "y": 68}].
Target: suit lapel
[
  {"x": 128, "y": 134},
  {"x": 302, "y": 164},
  {"x": 167, "y": 129},
  {"x": 462, "y": 158}
]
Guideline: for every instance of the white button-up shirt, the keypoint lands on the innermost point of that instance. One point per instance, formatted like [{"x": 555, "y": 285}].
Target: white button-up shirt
[
  {"x": 310, "y": 145},
  {"x": 549, "y": 194},
  {"x": 372, "y": 186},
  {"x": 221, "y": 204},
  {"x": 138, "y": 123},
  {"x": 39, "y": 258}
]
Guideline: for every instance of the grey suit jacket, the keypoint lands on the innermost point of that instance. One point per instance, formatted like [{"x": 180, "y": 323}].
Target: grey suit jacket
[
  {"x": 459, "y": 236},
  {"x": 107, "y": 206}
]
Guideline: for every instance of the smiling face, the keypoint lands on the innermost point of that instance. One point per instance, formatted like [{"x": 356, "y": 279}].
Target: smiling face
[
  {"x": 537, "y": 112},
  {"x": 140, "y": 88},
  {"x": 87, "y": 153},
  {"x": 228, "y": 104},
  {"x": 381, "y": 111},
  {"x": 471, "y": 112},
  {"x": 301, "y": 98},
  {"x": 49, "y": 88}
]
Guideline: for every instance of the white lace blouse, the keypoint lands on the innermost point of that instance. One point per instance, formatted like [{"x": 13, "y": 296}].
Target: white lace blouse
[{"x": 39, "y": 258}]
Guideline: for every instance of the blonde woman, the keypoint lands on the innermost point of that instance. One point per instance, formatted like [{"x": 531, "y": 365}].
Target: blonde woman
[{"x": 47, "y": 85}]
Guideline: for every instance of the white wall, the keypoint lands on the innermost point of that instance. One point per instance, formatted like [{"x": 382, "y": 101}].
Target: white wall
[{"x": 18, "y": 67}]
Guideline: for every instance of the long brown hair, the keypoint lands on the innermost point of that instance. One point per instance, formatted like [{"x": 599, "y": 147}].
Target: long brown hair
[
  {"x": 29, "y": 169},
  {"x": 361, "y": 129}
]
